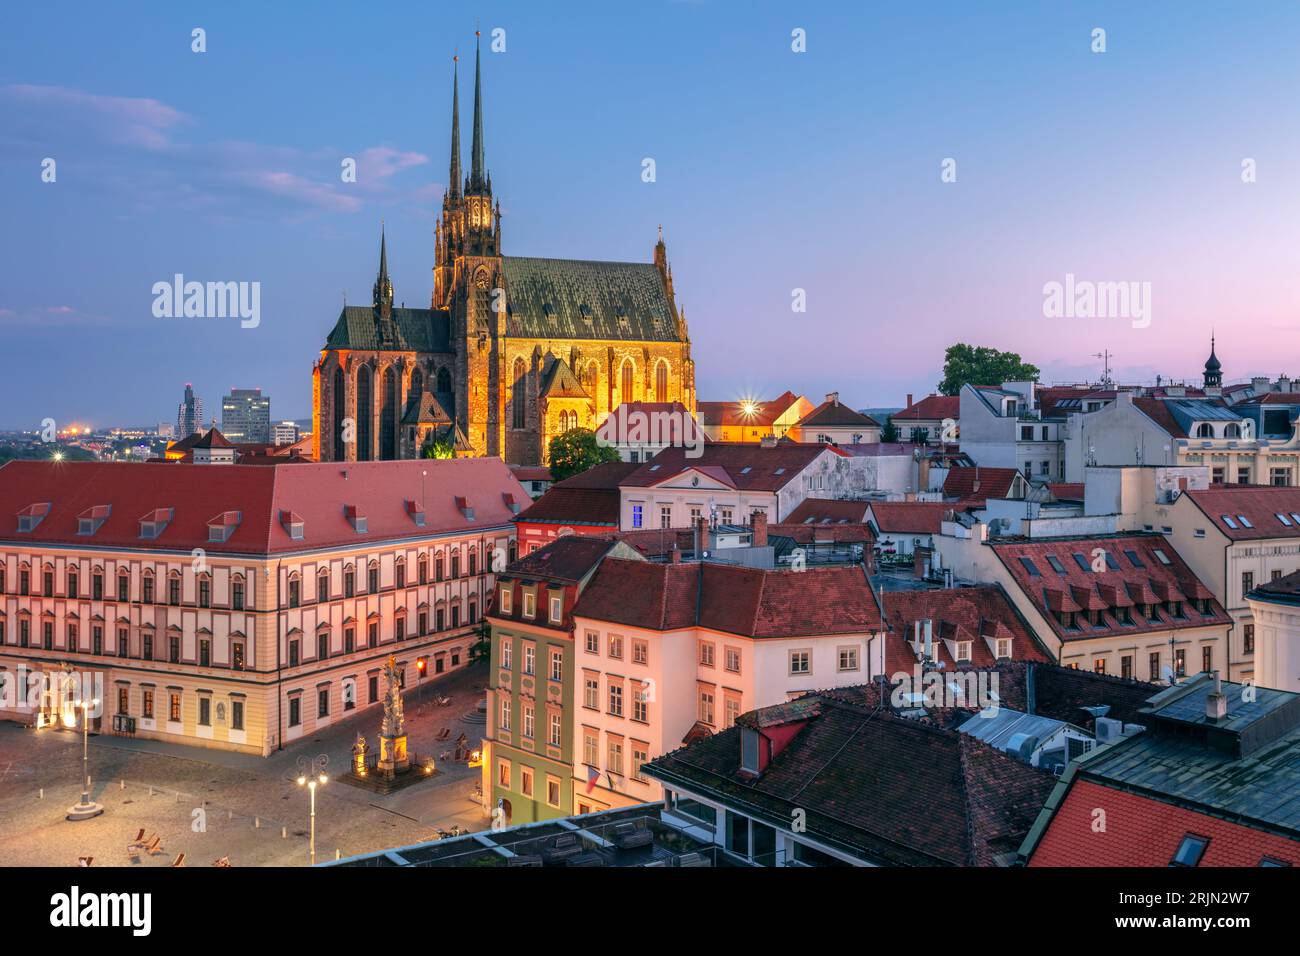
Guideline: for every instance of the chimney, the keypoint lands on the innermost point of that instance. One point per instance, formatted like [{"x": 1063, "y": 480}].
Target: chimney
[
  {"x": 701, "y": 536},
  {"x": 758, "y": 521},
  {"x": 909, "y": 399},
  {"x": 675, "y": 555},
  {"x": 929, "y": 641},
  {"x": 833, "y": 398},
  {"x": 1216, "y": 703}
]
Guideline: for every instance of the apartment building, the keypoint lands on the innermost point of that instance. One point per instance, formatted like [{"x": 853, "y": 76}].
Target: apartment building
[
  {"x": 668, "y": 653},
  {"x": 240, "y": 607}
]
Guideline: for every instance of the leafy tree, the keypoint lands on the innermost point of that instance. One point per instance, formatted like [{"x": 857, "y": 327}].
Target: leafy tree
[
  {"x": 978, "y": 365},
  {"x": 889, "y": 431},
  {"x": 481, "y": 649},
  {"x": 577, "y": 450},
  {"x": 438, "y": 448}
]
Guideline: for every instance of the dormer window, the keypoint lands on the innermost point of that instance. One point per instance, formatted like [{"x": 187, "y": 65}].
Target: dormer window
[
  {"x": 963, "y": 652},
  {"x": 292, "y": 524},
  {"x": 530, "y": 604},
  {"x": 416, "y": 512},
  {"x": 223, "y": 526},
  {"x": 1003, "y": 648},
  {"x": 356, "y": 519},
  {"x": 90, "y": 520},
  {"x": 31, "y": 516},
  {"x": 511, "y": 504},
  {"x": 506, "y": 599},
  {"x": 749, "y": 750},
  {"x": 155, "y": 523},
  {"x": 466, "y": 507},
  {"x": 556, "y": 608}
]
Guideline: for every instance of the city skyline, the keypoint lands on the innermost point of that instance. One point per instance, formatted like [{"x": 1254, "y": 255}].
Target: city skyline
[{"x": 221, "y": 173}]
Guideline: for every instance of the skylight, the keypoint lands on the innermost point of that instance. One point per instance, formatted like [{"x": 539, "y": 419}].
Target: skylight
[
  {"x": 1245, "y": 522},
  {"x": 1161, "y": 556},
  {"x": 1030, "y": 567},
  {"x": 1134, "y": 559},
  {"x": 1081, "y": 561},
  {"x": 1056, "y": 564},
  {"x": 1227, "y": 519},
  {"x": 1284, "y": 519}
]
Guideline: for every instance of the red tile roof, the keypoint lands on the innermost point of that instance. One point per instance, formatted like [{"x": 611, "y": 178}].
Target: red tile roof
[
  {"x": 1260, "y": 505},
  {"x": 730, "y": 413},
  {"x": 589, "y": 497},
  {"x": 200, "y": 494},
  {"x": 1158, "y": 411},
  {"x": 748, "y": 467},
  {"x": 735, "y": 600},
  {"x": 1144, "y": 832},
  {"x": 978, "y": 615},
  {"x": 932, "y": 407},
  {"x": 827, "y": 510},
  {"x": 1074, "y": 587},
  {"x": 823, "y": 533},
  {"x": 909, "y": 517},
  {"x": 830, "y": 414},
  {"x": 1068, "y": 490},
  {"x": 980, "y": 482}
]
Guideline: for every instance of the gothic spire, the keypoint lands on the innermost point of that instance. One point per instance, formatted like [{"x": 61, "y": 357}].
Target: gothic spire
[
  {"x": 477, "y": 176},
  {"x": 453, "y": 187},
  {"x": 383, "y": 295}
]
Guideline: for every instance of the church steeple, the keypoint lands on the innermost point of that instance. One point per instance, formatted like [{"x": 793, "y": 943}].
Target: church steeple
[
  {"x": 1213, "y": 368},
  {"x": 383, "y": 291},
  {"x": 477, "y": 174},
  {"x": 453, "y": 188}
]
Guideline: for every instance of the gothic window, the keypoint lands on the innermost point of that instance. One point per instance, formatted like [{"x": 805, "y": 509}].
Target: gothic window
[
  {"x": 627, "y": 376},
  {"x": 340, "y": 413},
  {"x": 518, "y": 394},
  {"x": 661, "y": 381},
  {"x": 444, "y": 380},
  {"x": 365, "y": 386},
  {"x": 388, "y": 417},
  {"x": 417, "y": 383},
  {"x": 590, "y": 378}
]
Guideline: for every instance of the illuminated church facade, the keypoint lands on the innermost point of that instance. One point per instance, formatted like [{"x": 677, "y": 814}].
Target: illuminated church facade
[{"x": 511, "y": 351}]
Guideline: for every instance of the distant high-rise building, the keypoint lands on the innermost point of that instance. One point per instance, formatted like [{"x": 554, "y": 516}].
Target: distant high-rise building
[
  {"x": 285, "y": 433},
  {"x": 189, "y": 415},
  {"x": 246, "y": 416}
]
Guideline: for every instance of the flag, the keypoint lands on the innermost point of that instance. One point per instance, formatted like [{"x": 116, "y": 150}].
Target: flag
[{"x": 592, "y": 776}]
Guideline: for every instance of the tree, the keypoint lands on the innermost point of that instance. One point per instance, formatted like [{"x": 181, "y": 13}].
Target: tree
[
  {"x": 481, "y": 649},
  {"x": 978, "y": 365},
  {"x": 889, "y": 431},
  {"x": 438, "y": 448},
  {"x": 920, "y": 436},
  {"x": 577, "y": 450}
]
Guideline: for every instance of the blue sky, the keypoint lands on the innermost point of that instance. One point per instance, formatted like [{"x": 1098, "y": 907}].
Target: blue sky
[{"x": 775, "y": 171}]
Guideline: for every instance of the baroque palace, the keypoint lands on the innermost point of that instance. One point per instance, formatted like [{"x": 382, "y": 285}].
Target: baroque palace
[{"x": 512, "y": 350}]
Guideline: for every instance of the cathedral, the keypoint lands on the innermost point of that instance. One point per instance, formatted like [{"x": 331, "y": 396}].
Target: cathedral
[{"x": 512, "y": 350}]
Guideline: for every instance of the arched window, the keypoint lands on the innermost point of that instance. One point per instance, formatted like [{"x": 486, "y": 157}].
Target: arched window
[
  {"x": 444, "y": 380},
  {"x": 1232, "y": 431},
  {"x": 417, "y": 384},
  {"x": 1205, "y": 430},
  {"x": 365, "y": 401},
  {"x": 340, "y": 413},
  {"x": 518, "y": 394},
  {"x": 661, "y": 381},
  {"x": 627, "y": 376},
  {"x": 446, "y": 394},
  {"x": 590, "y": 378},
  {"x": 323, "y": 585}
]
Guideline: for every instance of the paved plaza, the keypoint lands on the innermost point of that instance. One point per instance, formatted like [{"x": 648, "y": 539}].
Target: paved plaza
[{"x": 210, "y": 804}]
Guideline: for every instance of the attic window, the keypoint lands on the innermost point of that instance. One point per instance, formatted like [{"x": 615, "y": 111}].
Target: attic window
[
  {"x": 654, "y": 467},
  {"x": 155, "y": 523},
  {"x": 1081, "y": 561},
  {"x": 749, "y": 750},
  {"x": 1190, "y": 850},
  {"x": 1295, "y": 517},
  {"x": 963, "y": 651},
  {"x": 1284, "y": 519},
  {"x": 223, "y": 526},
  {"x": 745, "y": 470},
  {"x": 416, "y": 511},
  {"x": 1134, "y": 559},
  {"x": 1030, "y": 567},
  {"x": 466, "y": 507},
  {"x": 779, "y": 471},
  {"x": 32, "y": 515},
  {"x": 547, "y": 310},
  {"x": 509, "y": 499},
  {"x": 89, "y": 521},
  {"x": 1245, "y": 522},
  {"x": 1161, "y": 556},
  {"x": 1056, "y": 564},
  {"x": 1227, "y": 519},
  {"x": 355, "y": 518},
  {"x": 292, "y": 524}
]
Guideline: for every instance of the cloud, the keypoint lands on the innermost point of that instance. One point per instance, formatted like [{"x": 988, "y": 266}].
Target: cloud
[
  {"x": 134, "y": 146},
  {"x": 49, "y": 316}
]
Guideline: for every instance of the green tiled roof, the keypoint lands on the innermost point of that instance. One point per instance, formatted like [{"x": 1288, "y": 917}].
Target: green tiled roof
[
  {"x": 576, "y": 299},
  {"x": 412, "y": 330}
]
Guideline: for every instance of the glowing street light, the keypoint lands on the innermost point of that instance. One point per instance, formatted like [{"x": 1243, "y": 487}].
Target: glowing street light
[
  {"x": 86, "y": 808},
  {"x": 311, "y": 774}
]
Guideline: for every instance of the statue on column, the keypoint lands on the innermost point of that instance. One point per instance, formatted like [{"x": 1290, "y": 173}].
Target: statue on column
[{"x": 392, "y": 732}]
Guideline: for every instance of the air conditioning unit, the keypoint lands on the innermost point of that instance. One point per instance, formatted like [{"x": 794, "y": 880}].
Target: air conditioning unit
[{"x": 1109, "y": 730}]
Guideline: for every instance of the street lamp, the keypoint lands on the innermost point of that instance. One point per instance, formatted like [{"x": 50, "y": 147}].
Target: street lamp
[
  {"x": 311, "y": 773},
  {"x": 86, "y": 808}
]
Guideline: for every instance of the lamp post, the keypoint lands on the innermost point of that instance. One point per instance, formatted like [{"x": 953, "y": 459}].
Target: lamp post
[
  {"x": 86, "y": 808},
  {"x": 311, "y": 773}
]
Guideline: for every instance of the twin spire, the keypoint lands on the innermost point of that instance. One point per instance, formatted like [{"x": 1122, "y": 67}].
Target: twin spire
[{"x": 477, "y": 181}]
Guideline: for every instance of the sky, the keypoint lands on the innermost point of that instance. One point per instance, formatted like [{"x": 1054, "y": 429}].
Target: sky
[{"x": 1170, "y": 160}]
